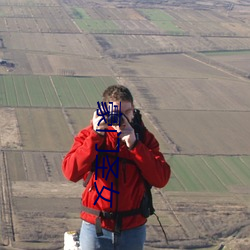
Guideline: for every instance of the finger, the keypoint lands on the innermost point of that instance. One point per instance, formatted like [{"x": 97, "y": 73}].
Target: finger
[
  {"x": 95, "y": 115},
  {"x": 117, "y": 128}
]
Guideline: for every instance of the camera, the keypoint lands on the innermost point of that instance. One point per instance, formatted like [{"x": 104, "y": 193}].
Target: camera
[{"x": 115, "y": 118}]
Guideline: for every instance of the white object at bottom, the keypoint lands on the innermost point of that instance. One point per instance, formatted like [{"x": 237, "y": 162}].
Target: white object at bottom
[{"x": 71, "y": 240}]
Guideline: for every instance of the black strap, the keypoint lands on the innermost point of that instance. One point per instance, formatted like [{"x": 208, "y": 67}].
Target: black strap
[{"x": 109, "y": 215}]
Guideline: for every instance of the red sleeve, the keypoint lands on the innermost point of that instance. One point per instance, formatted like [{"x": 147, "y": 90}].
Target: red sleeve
[
  {"x": 151, "y": 161},
  {"x": 79, "y": 159}
]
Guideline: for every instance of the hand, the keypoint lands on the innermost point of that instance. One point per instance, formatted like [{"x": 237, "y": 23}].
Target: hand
[
  {"x": 127, "y": 132},
  {"x": 102, "y": 125}
]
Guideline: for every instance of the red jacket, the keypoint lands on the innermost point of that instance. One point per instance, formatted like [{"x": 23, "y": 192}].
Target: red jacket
[{"x": 144, "y": 159}]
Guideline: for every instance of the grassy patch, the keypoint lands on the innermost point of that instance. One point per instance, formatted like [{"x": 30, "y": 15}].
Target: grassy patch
[
  {"x": 155, "y": 14},
  {"x": 226, "y": 53},
  {"x": 55, "y": 91},
  {"x": 162, "y": 20},
  {"x": 87, "y": 23},
  {"x": 208, "y": 173},
  {"x": 93, "y": 25},
  {"x": 79, "y": 13}
]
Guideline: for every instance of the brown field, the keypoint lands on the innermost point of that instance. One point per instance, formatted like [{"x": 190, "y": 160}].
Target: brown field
[
  {"x": 39, "y": 130},
  {"x": 235, "y": 60},
  {"x": 115, "y": 14},
  {"x": 216, "y": 132},
  {"x": 194, "y": 104},
  {"x": 209, "y": 22},
  {"x": 169, "y": 66},
  {"x": 54, "y": 54},
  {"x": 10, "y": 135},
  {"x": 52, "y": 44}
]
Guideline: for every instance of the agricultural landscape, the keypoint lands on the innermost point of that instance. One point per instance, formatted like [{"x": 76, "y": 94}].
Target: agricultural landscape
[{"x": 187, "y": 65}]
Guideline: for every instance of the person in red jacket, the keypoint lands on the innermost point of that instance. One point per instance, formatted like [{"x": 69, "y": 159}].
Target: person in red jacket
[{"x": 115, "y": 163}]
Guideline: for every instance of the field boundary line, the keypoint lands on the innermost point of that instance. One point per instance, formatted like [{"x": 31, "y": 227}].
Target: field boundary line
[
  {"x": 248, "y": 167},
  {"x": 7, "y": 207},
  {"x": 191, "y": 170},
  {"x": 216, "y": 67},
  {"x": 65, "y": 115},
  {"x": 54, "y": 87},
  {"x": 42, "y": 88},
  {"x": 214, "y": 172},
  {"x": 232, "y": 171},
  {"x": 80, "y": 85},
  {"x": 173, "y": 212},
  {"x": 27, "y": 89},
  {"x": 79, "y": 29},
  {"x": 174, "y": 147},
  {"x": 182, "y": 184},
  {"x": 70, "y": 91}
]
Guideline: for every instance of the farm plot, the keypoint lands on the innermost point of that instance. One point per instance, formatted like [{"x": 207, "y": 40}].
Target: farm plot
[
  {"x": 52, "y": 25},
  {"x": 28, "y": 91},
  {"x": 209, "y": 22},
  {"x": 7, "y": 11},
  {"x": 173, "y": 44},
  {"x": 230, "y": 43},
  {"x": 136, "y": 44},
  {"x": 206, "y": 132},
  {"x": 9, "y": 131},
  {"x": 56, "y": 91},
  {"x": 209, "y": 173},
  {"x": 52, "y": 44},
  {"x": 43, "y": 211},
  {"x": 192, "y": 94},
  {"x": 87, "y": 23},
  {"x": 34, "y": 166},
  {"x": 40, "y": 3},
  {"x": 136, "y": 26},
  {"x": 236, "y": 59},
  {"x": 199, "y": 22},
  {"x": 162, "y": 20},
  {"x": 97, "y": 26},
  {"x": 68, "y": 65},
  {"x": 114, "y": 13},
  {"x": 3, "y": 27},
  {"x": 130, "y": 44},
  {"x": 38, "y": 19},
  {"x": 170, "y": 66},
  {"x": 80, "y": 92},
  {"x": 39, "y": 130},
  {"x": 126, "y": 19},
  {"x": 108, "y": 20}
]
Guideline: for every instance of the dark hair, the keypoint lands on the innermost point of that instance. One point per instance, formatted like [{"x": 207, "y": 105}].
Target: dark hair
[{"x": 117, "y": 93}]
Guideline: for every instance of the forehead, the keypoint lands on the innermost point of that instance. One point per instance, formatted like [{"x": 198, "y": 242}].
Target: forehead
[{"x": 125, "y": 105}]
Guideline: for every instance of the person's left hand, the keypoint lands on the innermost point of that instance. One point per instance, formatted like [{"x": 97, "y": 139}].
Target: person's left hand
[{"x": 127, "y": 132}]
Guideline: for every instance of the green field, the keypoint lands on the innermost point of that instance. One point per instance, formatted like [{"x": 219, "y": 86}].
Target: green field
[
  {"x": 55, "y": 91},
  {"x": 79, "y": 13},
  {"x": 226, "y": 53},
  {"x": 87, "y": 23},
  {"x": 161, "y": 19},
  {"x": 92, "y": 25},
  {"x": 208, "y": 173}
]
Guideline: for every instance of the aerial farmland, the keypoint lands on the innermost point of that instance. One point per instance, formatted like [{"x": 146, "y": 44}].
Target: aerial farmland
[{"x": 187, "y": 64}]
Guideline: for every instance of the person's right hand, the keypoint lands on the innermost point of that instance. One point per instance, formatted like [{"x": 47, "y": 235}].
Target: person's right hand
[{"x": 102, "y": 124}]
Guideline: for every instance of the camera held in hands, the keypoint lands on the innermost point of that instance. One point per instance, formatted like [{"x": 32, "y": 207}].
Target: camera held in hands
[{"x": 115, "y": 118}]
